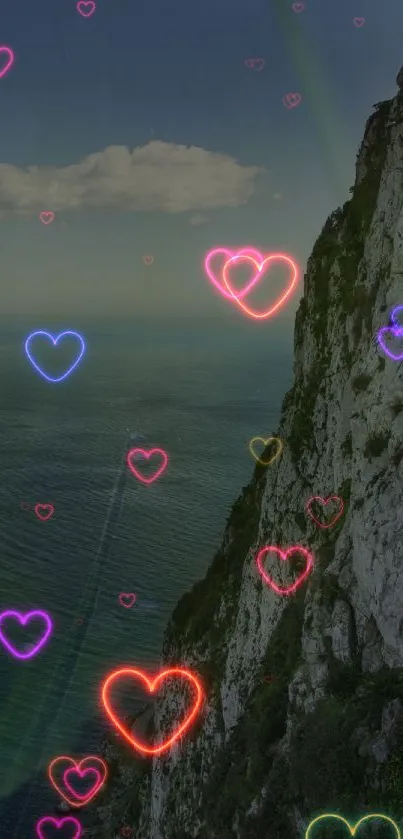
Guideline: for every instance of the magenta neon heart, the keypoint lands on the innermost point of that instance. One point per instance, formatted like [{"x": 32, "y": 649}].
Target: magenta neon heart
[
  {"x": 229, "y": 255},
  {"x": 10, "y": 56},
  {"x": 397, "y": 333},
  {"x": 23, "y": 619},
  {"x": 147, "y": 454},
  {"x": 359, "y": 21},
  {"x": 46, "y": 216},
  {"x": 73, "y": 770},
  {"x": 59, "y": 824},
  {"x": 44, "y": 516},
  {"x": 86, "y": 8}
]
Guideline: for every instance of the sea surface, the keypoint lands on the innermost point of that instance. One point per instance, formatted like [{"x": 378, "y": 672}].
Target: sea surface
[{"x": 198, "y": 390}]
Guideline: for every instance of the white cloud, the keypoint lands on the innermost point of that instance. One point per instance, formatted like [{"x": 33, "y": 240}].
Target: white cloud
[{"x": 159, "y": 177}]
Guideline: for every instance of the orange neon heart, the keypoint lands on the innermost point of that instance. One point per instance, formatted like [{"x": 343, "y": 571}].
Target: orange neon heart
[
  {"x": 279, "y": 444},
  {"x": 261, "y": 268},
  {"x": 95, "y": 763},
  {"x": 151, "y": 685}
]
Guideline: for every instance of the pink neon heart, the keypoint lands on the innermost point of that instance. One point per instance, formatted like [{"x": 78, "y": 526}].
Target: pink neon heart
[
  {"x": 59, "y": 824},
  {"x": 396, "y": 333},
  {"x": 291, "y": 100},
  {"x": 149, "y": 259},
  {"x": 9, "y": 53},
  {"x": 147, "y": 454},
  {"x": 46, "y": 516},
  {"x": 324, "y": 502},
  {"x": 47, "y": 217},
  {"x": 255, "y": 63},
  {"x": 127, "y": 599},
  {"x": 83, "y": 5},
  {"x": 359, "y": 21},
  {"x": 298, "y": 7},
  {"x": 284, "y": 555},
  {"x": 73, "y": 770},
  {"x": 229, "y": 255}
]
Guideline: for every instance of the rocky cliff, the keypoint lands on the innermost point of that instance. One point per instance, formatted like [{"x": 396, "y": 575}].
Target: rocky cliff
[{"x": 304, "y": 710}]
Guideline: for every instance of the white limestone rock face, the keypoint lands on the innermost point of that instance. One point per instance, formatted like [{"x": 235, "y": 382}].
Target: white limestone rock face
[{"x": 342, "y": 427}]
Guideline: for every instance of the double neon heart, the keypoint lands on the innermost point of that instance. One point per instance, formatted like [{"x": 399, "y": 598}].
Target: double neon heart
[
  {"x": 91, "y": 769},
  {"x": 258, "y": 265}
]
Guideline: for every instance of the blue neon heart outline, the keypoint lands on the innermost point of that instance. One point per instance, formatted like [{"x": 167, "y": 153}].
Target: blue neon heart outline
[{"x": 54, "y": 342}]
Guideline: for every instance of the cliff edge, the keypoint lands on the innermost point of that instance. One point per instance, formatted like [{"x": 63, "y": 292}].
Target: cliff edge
[{"x": 304, "y": 710}]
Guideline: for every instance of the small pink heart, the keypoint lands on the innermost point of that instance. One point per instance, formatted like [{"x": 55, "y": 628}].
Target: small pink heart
[
  {"x": 86, "y": 8},
  {"x": 359, "y": 21},
  {"x": 291, "y": 100},
  {"x": 298, "y": 7},
  {"x": 148, "y": 259},
  {"x": 47, "y": 217},
  {"x": 127, "y": 599},
  {"x": 44, "y": 516},
  {"x": 255, "y": 63}
]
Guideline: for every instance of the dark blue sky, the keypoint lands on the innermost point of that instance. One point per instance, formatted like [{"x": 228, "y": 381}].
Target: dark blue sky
[{"x": 153, "y": 75}]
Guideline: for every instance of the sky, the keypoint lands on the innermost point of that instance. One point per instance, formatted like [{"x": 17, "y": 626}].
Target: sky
[{"x": 144, "y": 131}]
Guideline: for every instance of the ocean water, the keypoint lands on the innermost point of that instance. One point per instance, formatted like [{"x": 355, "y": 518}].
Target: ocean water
[{"x": 200, "y": 391}]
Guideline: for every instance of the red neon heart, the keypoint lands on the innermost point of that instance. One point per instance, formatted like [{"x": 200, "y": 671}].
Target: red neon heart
[
  {"x": 284, "y": 555},
  {"x": 236, "y": 260},
  {"x": 291, "y": 100},
  {"x": 151, "y": 685},
  {"x": 45, "y": 516},
  {"x": 76, "y": 768},
  {"x": 325, "y": 502},
  {"x": 147, "y": 454},
  {"x": 127, "y": 599}
]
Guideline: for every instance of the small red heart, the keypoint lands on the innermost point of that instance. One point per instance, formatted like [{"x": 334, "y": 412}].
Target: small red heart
[
  {"x": 359, "y": 21},
  {"x": 44, "y": 516},
  {"x": 46, "y": 217},
  {"x": 255, "y": 63},
  {"x": 324, "y": 502},
  {"x": 127, "y": 599},
  {"x": 284, "y": 556}
]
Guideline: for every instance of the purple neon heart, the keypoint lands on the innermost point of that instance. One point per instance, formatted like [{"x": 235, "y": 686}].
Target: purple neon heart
[
  {"x": 55, "y": 341},
  {"x": 23, "y": 619},
  {"x": 397, "y": 333},
  {"x": 394, "y": 316}
]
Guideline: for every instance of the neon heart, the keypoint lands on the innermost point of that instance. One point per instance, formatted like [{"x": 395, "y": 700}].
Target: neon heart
[
  {"x": 359, "y": 21},
  {"x": 298, "y": 7},
  {"x": 47, "y": 515},
  {"x": 47, "y": 217},
  {"x": 46, "y": 821},
  {"x": 228, "y": 254},
  {"x": 291, "y": 100},
  {"x": 394, "y": 316},
  {"x": 255, "y": 63},
  {"x": 276, "y": 440},
  {"x": 55, "y": 341},
  {"x": 148, "y": 259},
  {"x": 24, "y": 619},
  {"x": 397, "y": 333},
  {"x": 147, "y": 454},
  {"x": 77, "y": 769},
  {"x": 325, "y": 502},
  {"x": 284, "y": 555},
  {"x": 86, "y": 8},
  {"x": 352, "y": 828},
  {"x": 127, "y": 599},
  {"x": 9, "y": 63},
  {"x": 262, "y": 268},
  {"x": 151, "y": 685}
]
